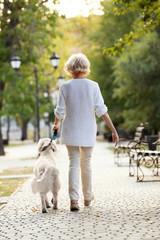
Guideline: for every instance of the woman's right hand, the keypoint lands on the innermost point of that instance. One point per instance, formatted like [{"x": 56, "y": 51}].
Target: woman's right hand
[{"x": 55, "y": 126}]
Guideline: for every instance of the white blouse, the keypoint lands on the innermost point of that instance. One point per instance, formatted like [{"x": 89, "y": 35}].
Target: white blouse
[{"x": 78, "y": 101}]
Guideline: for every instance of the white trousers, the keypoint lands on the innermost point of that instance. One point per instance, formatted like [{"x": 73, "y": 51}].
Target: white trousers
[{"x": 80, "y": 158}]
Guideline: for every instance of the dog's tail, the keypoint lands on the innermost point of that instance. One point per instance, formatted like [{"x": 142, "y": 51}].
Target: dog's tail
[
  {"x": 40, "y": 184},
  {"x": 42, "y": 175}
]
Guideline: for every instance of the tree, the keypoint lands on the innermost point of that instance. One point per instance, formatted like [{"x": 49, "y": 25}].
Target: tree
[
  {"x": 19, "y": 101},
  {"x": 90, "y": 35},
  {"x": 26, "y": 30},
  {"x": 110, "y": 27},
  {"x": 137, "y": 83},
  {"x": 148, "y": 19}
]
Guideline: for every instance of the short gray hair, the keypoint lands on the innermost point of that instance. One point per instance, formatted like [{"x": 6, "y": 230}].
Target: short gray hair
[{"x": 77, "y": 63}]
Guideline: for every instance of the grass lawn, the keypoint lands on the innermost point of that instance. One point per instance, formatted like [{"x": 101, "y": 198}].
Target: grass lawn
[
  {"x": 111, "y": 148},
  {"x": 17, "y": 171},
  {"x": 8, "y": 186},
  {"x": 121, "y": 150}
]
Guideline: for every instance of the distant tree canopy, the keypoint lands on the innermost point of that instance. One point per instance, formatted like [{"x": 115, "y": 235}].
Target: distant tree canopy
[
  {"x": 129, "y": 82},
  {"x": 148, "y": 18},
  {"x": 27, "y": 29},
  {"x": 110, "y": 28},
  {"x": 137, "y": 83}
]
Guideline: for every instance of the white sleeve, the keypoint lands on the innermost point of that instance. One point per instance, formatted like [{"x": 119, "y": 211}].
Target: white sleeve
[
  {"x": 99, "y": 105},
  {"x": 61, "y": 106}
]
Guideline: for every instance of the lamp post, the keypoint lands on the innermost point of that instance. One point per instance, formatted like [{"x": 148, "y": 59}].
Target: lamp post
[
  {"x": 47, "y": 96},
  {"x": 15, "y": 63},
  {"x": 61, "y": 79}
]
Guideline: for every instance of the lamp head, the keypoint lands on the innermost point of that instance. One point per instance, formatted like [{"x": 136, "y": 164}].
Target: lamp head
[
  {"x": 15, "y": 62},
  {"x": 54, "y": 60}
]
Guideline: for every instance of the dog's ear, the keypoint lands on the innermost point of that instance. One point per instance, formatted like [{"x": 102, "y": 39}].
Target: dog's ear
[
  {"x": 40, "y": 145},
  {"x": 54, "y": 145}
]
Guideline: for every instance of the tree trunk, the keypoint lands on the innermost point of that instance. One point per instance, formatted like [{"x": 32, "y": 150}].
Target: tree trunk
[
  {"x": 24, "y": 131},
  {"x": 2, "y": 153}
]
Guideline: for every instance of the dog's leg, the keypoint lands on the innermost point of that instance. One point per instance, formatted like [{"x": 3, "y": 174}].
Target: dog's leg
[
  {"x": 47, "y": 203},
  {"x": 56, "y": 187},
  {"x": 43, "y": 202},
  {"x": 55, "y": 199}
]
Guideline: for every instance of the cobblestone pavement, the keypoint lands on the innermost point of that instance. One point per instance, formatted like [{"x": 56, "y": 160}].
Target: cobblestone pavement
[{"x": 122, "y": 209}]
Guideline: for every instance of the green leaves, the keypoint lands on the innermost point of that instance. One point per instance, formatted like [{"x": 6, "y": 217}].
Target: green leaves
[
  {"x": 128, "y": 39},
  {"x": 137, "y": 82},
  {"x": 27, "y": 29},
  {"x": 148, "y": 19}
]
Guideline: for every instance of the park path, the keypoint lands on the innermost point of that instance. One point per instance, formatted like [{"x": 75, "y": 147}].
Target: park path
[
  {"x": 19, "y": 156},
  {"x": 122, "y": 209}
]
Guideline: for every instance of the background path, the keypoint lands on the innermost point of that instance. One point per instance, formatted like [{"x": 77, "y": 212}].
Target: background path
[
  {"x": 20, "y": 156},
  {"x": 122, "y": 209}
]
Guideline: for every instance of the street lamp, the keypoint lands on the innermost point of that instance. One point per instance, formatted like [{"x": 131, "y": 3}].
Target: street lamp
[
  {"x": 46, "y": 117},
  {"x": 54, "y": 60},
  {"x": 46, "y": 94},
  {"x": 15, "y": 64},
  {"x": 61, "y": 79}
]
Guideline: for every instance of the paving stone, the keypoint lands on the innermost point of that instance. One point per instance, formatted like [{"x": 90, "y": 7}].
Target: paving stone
[{"x": 122, "y": 209}]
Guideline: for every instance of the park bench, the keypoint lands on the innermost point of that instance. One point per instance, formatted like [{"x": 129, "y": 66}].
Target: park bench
[
  {"x": 125, "y": 145},
  {"x": 143, "y": 158}
]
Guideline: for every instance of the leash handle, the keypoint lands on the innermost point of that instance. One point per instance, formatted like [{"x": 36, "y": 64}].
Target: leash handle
[{"x": 55, "y": 134}]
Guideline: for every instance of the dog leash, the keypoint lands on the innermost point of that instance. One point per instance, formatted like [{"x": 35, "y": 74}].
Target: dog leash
[
  {"x": 54, "y": 134},
  {"x": 53, "y": 138}
]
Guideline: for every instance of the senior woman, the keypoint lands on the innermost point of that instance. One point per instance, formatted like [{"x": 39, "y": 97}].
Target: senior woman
[{"x": 79, "y": 99}]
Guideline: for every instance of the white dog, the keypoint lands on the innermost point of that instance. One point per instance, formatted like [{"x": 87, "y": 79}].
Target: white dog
[{"x": 46, "y": 177}]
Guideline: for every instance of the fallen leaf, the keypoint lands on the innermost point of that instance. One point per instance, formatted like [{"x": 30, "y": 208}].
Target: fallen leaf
[
  {"x": 34, "y": 210},
  {"x": 147, "y": 219},
  {"x": 84, "y": 212},
  {"x": 97, "y": 215}
]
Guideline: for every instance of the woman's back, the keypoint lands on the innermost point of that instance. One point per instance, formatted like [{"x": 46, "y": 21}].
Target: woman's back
[
  {"x": 79, "y": 125},
  {"x": 79, "y": 97}
]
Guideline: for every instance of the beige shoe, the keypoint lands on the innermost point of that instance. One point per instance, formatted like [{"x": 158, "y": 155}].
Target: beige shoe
[
  {"x": 88, "y": 202},
  {"x": 74, "y": 205}
]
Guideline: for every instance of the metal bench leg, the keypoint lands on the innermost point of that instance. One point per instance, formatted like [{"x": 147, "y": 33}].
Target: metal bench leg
[
  {"x": 131, "y": 167},
  {"x": 155, "y": 169},
  {"x": 139, "y": 177}
]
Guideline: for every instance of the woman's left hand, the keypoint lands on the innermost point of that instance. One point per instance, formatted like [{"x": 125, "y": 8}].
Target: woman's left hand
[{"x": 115, "y": 138}]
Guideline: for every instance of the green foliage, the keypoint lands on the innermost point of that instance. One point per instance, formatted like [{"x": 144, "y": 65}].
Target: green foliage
[
  {"x": 137, "y": 83},
  {"x": 148, "y": 18},
  {"x": 103, "y": 31},
  {"x": 27, "y": 29},
  {"x": 129, "y": 82},
  {"x": 110, "y": 28},
  {"x": 72, "y": 36},
  {"x": 19, "y": 100}
]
